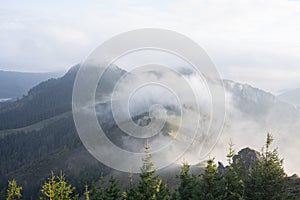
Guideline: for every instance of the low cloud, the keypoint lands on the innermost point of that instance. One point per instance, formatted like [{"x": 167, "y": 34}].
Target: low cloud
[{"x": 240, "y": 37}]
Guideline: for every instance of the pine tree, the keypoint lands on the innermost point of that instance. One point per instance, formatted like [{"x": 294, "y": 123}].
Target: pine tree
[
  {"x": 148, "y": 182},
  {"x": 209, "y": 186},
  {"x": 13, "y": 191},
  {"x": 57, "y": 188},
  {"x": 86, "y": 192},
  {"x": 187, "y": 184},
  {"x": 234, "y": 187},
  {"x": 132, "y": 192},
  {"x": 266, "y": 179},
  {"x": 98, "y": 193},
  {"x": 150, "y": 187},
  {"x": 112, "y": 191},
  {"x": 164, "y": 193}
]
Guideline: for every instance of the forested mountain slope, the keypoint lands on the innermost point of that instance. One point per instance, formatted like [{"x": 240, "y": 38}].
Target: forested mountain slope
[{"x": 37, "y": 132}]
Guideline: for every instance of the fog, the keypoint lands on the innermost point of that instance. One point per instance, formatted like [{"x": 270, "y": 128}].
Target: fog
[{"x": 171, "y": 109}]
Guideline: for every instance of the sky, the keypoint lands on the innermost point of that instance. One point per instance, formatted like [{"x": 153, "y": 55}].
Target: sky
[{"x": 250, "y": 41}]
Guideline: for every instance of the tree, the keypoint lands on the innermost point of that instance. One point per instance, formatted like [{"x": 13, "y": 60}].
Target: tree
[
  {"x": 98, "y": 193},
  {"x": 86, "y": 192},
  {"x": 164, "y": 192},
  {"x": 13, "y": 191},
  {"x": 112, "y": 191},
  {"x": 150, "y": 187},
  {"x": 187, "y": 184},
  {"x": 267, "y": 178},
  {"x": 106, "y": 191},
  {"x": 234, "y": 186},
  {"x": 132, "y": 192},
  {"x": 57, "y": 188},
  {"x": 209, "y": 186}
]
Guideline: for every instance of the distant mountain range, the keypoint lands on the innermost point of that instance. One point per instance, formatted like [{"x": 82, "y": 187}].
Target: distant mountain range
[
  {"x": 15, "y": 84},
  {"x": 37, "y": 132},
  {"x": 291, "y": 96}
]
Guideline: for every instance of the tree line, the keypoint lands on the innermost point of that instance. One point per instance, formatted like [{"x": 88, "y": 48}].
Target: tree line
[{"x": 266, "y": 180}]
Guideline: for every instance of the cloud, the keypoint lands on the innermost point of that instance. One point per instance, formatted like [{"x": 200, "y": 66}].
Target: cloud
[{"x": 238, "y": 35}]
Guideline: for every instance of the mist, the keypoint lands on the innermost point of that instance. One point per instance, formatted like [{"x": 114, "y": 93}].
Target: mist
[{"x": 171, "y": 109}]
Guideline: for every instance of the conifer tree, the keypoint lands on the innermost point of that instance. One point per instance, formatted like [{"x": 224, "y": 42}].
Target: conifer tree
[
  {"x": 234, "y": 187},
  {"x": 148, "y": 184},
  {"x": 13, "y": 191},
  {"x": 112, "y": 191},
  {"x": 164, "y": 193},
  {"x": 150, "y": 187},
  {"x": 187, "y": 184},
  {"x": 98, "y": 193},
  {"x": 266, "y": 179},
  {"x": 209, "y": 185},
  {"x": 57, "y": 188},
  {"x": 131, "y": 193},
  {"x": 86, "y": 192}
]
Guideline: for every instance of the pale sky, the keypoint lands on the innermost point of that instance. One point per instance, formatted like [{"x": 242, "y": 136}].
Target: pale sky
[{"x": 251, "y": 41}]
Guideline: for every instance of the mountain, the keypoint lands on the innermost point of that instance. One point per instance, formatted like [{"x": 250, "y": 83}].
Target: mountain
[
  {"x": 251, "y": 113},
  {"x": 259, "y": 105},
  {"x": 37, "y": 132},
  {"x": 15, "y": 84},
  {"x": 37, "y": 135},
  {"x": 49, "y": 98},
  {"x": 292, "y": 96}
]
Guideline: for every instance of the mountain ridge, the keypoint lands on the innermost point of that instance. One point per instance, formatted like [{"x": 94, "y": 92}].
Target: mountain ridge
[
  {"x": 291, "y": 96},
  {"x": 56, "y": 144},
  {"x": 15, "y": 84}
]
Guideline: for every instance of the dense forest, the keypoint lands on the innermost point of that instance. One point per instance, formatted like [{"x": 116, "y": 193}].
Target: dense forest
[
  {"x": 27, "y": 156},
  {"x": 48, "y": 99},
  {"x": 265, "y": 179}
]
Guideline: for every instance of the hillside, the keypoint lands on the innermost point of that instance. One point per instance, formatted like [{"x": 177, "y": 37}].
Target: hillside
[
  {"x": 37, "y": 132},
  {"x": 16, "y": 84},
  {"x": 37, "y": 135}
]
